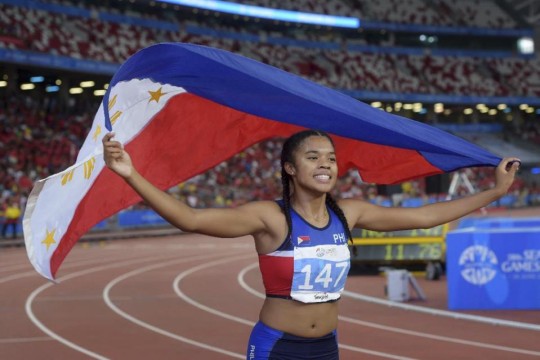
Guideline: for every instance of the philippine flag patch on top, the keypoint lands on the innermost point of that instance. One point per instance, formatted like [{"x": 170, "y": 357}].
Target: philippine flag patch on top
[{"x": 302, "y": 239}]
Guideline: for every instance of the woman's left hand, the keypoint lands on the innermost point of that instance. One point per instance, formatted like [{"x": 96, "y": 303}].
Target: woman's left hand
[{"x": 505, "y": 173}]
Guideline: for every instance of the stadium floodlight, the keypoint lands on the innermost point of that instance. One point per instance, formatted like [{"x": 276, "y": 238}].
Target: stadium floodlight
[
  {"x": 269, "y": 13},
  {"x": 376, "y": 104},
  {"x": 75, "y": 90},
  {"x": 481, "y": 106},
  {"x": 99, "y": 92},
  {"x": 58, "y": 82},
  {"x": 37, "y": 79},
  {"x": 52, "y": 88},
  {"x": 87, "y": 84},
  {"x": 468, "y": 111},
  {"x": 523, "y": 107},
  {"x": 28, "y": 86},
  {"x": 3, "y": 83},
  {"x": 525, "y": 45},
  {"x": 501, "y": 106}
]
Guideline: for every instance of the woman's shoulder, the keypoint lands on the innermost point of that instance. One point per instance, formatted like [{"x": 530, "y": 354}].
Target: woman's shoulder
[{"x": 270, "y": 213}]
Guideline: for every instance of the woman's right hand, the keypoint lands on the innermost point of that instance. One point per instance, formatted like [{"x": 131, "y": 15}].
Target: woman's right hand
[{"x": 116, "y": 158}]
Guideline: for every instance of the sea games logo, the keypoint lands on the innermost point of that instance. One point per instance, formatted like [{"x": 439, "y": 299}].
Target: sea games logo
[
  {"x": 524, "y": 266},
  {"x": 478, "y": 264}
]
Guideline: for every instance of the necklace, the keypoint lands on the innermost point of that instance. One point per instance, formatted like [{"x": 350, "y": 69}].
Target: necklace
[{"x": 314, "y": 218}]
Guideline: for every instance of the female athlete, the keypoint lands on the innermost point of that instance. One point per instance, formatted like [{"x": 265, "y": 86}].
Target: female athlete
[{"x": 301, "y": 239}]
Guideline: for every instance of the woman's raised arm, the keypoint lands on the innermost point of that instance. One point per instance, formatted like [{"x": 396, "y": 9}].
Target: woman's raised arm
[
  {"x": 247, "y": 219},
  {"x": 372, "y": 217}
]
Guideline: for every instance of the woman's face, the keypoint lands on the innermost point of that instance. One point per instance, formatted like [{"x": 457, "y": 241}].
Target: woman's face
[{"x": 315, "y": 165}]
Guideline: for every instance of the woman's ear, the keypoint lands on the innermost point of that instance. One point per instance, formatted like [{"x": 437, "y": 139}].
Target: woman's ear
[{"x": 289, "y": 168}]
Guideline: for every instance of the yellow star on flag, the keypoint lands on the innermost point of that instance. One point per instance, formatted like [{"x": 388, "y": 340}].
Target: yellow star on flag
[
  {"x": 156, "y": 95},
  {"x": 49, "y": 239}
]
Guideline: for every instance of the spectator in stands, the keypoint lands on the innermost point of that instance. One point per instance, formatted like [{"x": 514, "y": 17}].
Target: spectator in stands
[
  {"x": 12, "y": 214},
  {"x": 306, "y": 230}
]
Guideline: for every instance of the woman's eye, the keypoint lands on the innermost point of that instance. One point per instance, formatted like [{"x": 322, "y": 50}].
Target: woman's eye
[{"x": 332, "y": 159}]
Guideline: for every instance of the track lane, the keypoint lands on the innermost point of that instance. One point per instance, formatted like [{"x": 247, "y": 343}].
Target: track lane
[{"x": 76, "y": 309}]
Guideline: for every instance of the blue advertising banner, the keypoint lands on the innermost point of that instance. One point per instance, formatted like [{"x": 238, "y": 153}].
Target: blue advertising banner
[
  {"x": 491, "y": 269},
  {"x": 102, "y": 225},
  {"x": 139, "y": 218}
]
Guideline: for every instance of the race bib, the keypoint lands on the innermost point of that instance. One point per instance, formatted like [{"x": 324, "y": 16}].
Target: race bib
[{"x": 320, "y": 272}]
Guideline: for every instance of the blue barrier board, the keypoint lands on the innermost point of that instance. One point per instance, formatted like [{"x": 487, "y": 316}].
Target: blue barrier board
[
  {"x": 136, "y": 218},
  {"x": 491, "y": 269}
]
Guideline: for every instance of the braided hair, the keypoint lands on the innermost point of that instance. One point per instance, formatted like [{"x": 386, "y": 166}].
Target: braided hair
[{"x": 287, "y": 153}]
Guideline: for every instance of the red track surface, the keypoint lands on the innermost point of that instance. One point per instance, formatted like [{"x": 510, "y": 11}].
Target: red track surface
[{"x": 194, "y": 297}]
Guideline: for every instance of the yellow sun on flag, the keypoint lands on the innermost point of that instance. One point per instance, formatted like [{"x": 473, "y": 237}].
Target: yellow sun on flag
[
  {"x": 67, "y": 177},
  {"x": 89, "y": 167},
  {"x": 49, "y": 239},
  {"x": 96, "y": 133}
]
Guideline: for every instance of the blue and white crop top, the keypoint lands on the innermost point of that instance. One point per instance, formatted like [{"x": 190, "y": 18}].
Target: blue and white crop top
[{"x": 311, "y": 265}]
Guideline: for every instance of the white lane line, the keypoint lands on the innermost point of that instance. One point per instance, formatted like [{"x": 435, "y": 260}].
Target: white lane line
[
  {"x": 438, "y": 337},
  {"x": 52, "y": 334},
  {"x": 112, "y": 306},
  {"x": 176, "y": 285},
  {"x": 437, "y": 312},
  {"x": 24, "y": 340},
  {"x": 180, "y": 293},
  {"x": 242, "y": 282},
  {"x": 64, "y": 267}
]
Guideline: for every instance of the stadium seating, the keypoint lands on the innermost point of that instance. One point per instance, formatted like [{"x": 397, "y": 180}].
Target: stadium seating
[
  {"x": 474, "y": 13},
  {"x": 89, "y": 38},
  {"x": 480, "y": 13},
  {"x": 35, "y": 144}
]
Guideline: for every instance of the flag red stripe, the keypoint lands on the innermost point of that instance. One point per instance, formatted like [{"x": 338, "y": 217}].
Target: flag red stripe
[
  {"x": 191, "y": 135},
  {"x": 381, "y": 164}
]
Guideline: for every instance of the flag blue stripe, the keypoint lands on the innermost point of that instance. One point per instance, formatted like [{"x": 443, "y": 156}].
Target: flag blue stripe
[{"x": 262, "y": 90}]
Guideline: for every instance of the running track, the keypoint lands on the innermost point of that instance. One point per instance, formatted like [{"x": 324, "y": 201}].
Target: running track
[{"x": 195, "y": 297}]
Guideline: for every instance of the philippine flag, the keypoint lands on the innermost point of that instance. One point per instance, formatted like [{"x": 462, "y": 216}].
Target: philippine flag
[
  {"x": 181, "y": 109},
  {"x": 302, "y": 239}
]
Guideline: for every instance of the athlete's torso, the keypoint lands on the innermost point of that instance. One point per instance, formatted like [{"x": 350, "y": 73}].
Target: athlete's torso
[{"x": 311, "y": 265}]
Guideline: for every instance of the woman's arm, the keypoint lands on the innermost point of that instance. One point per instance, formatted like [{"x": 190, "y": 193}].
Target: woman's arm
[
  {"x": 372, "y": 217},
  {"x": 231, "y": 222}
]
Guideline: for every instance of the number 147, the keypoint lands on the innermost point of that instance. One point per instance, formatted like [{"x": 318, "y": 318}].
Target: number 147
[{"x": 324, "y": 277}]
